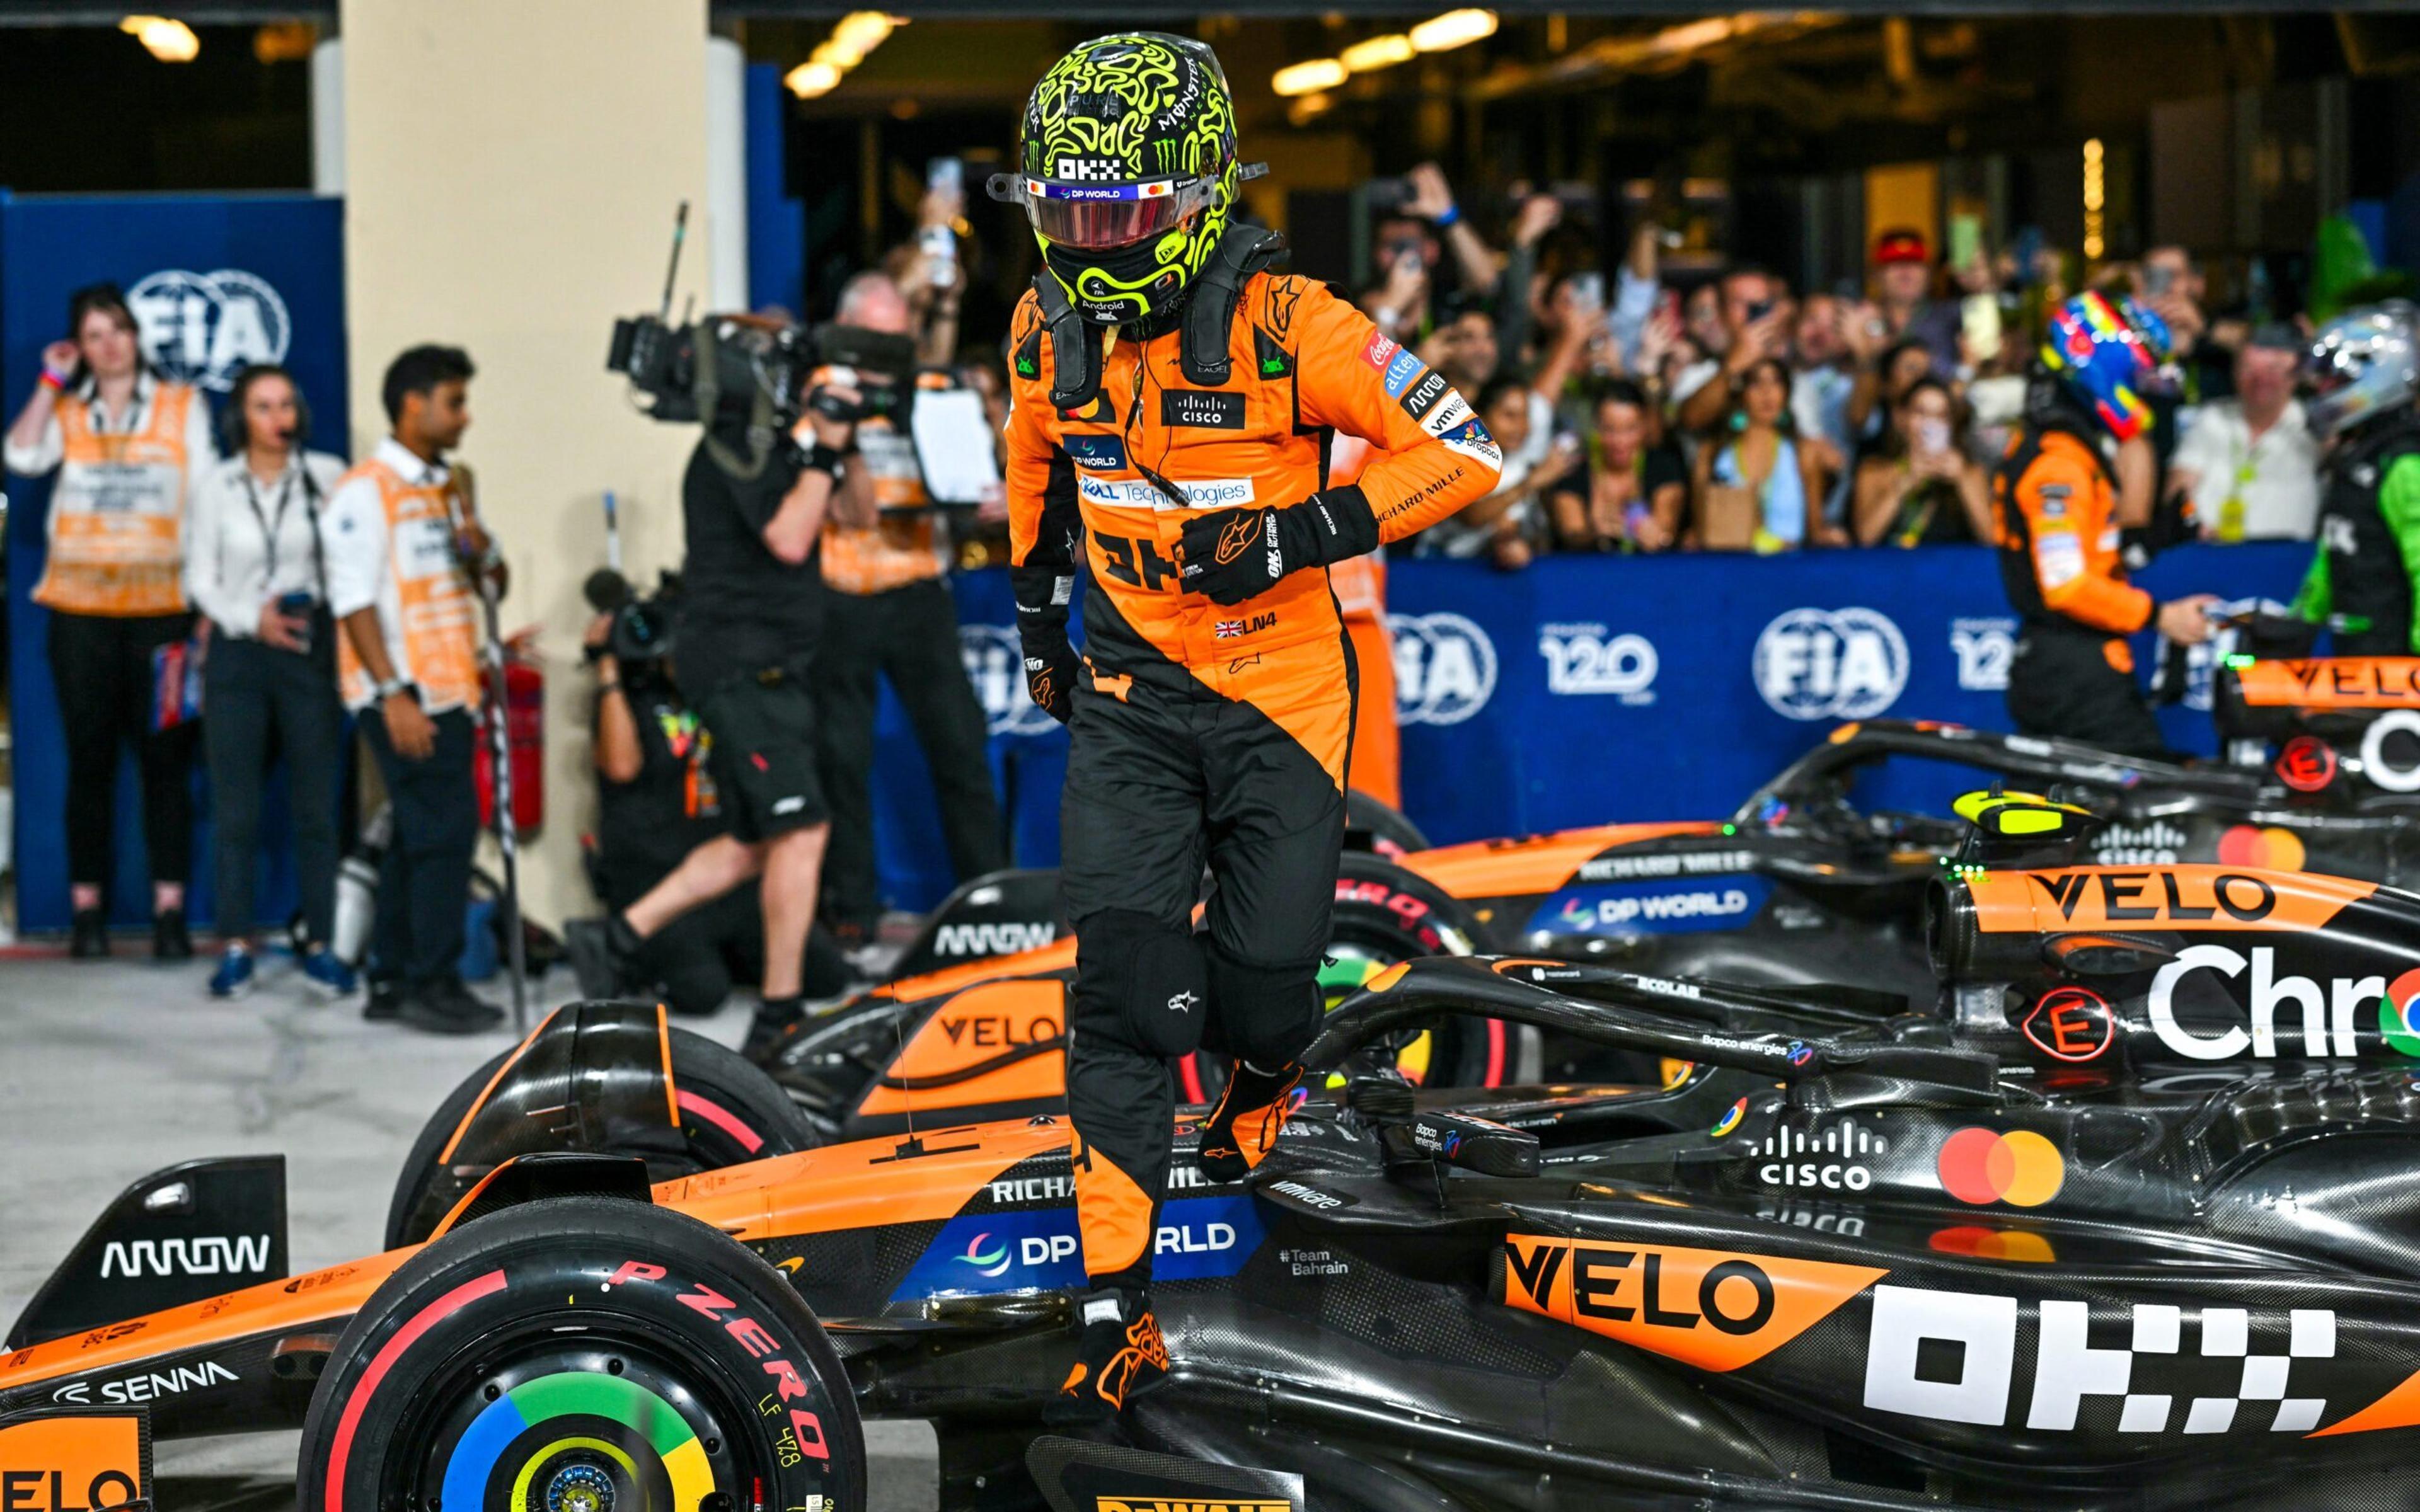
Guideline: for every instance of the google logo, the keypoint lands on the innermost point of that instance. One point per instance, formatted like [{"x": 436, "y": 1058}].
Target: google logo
[{"x": 1981, "y": 1165}]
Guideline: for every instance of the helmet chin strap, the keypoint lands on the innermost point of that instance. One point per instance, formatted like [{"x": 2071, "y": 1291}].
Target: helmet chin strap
[{"x": 1206, "y": 314}]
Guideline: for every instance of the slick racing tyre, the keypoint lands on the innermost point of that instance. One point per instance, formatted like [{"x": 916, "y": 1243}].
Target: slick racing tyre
[
  {"x": 730, "y": 1112},
  {"x": 582, "y": 1354}
]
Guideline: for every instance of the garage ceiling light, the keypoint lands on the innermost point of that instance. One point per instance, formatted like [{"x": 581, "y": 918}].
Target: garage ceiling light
[
  {"x": 1453, "y": 29},
  {"x": 168, "y": 39},
  {"x": 852, "y": 37},
  {"x": 1379, "y": 53},
  {"x": 1309, "y": 78},
  {"x": 810, "y": 79}
]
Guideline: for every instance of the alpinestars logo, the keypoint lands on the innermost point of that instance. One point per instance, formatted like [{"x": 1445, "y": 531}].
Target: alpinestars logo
[
  {"x": 1183, "y": 1002},
  {"x": 1236, "y": 539}
]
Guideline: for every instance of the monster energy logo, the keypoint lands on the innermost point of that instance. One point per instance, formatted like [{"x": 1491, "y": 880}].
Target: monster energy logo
[{"x": 1164, "y": 155}]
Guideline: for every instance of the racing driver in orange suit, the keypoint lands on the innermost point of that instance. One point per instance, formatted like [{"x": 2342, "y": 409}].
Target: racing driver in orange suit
[{"x": 1173, "y": 405}]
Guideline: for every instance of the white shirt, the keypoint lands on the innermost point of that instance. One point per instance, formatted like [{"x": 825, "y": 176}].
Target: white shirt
[
  {"x": 248, "y": 543},
  {"x": 46, "y": 452},
  {"x": 355, "y": 530},
  {"x": 2277, "y": 477}
]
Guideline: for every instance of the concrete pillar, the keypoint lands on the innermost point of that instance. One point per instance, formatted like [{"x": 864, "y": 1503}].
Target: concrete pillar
[
  {"x": 328, "y": 116},
  {"x": 510, "y": 176}
]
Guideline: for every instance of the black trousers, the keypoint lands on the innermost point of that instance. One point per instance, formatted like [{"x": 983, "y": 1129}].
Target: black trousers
[
  {"x": 425, "y": 882},
  {"x": 102, "y": 665},
  {"x": 2061, "y": 683},
  {"x": 910, "y": 636},
  {"x": 265, "y": 704},
  {"x": 1160, "y": 782}
]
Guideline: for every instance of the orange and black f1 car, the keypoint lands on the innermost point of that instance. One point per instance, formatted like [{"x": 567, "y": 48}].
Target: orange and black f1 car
[
  {"x": 2128, "y": 1225},
  {"x": 1805, "y": 883}
]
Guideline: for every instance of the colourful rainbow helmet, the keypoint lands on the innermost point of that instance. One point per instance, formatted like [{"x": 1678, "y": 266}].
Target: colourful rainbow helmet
[
  {"x": 1128, "y": 169},
  {"x": 2107, "y": 354}
]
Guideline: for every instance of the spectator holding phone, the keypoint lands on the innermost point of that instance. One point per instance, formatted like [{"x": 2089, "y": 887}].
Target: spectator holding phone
[
  {"x": 1497, "y": 526},
  {"x": 1902, "y": 277},
  {"x": 1634, "y": 497},
  {"x": 1920, "y": 487},
  {"x": 1756, "y": 328},
  {"x": 131, "y": 450},
  {"x": 256, "y": 564}
]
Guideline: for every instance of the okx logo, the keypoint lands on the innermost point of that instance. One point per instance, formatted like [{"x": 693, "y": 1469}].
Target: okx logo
[
  {"x": 1830, "y": 664},
  {"x": 204, "y": 328}
]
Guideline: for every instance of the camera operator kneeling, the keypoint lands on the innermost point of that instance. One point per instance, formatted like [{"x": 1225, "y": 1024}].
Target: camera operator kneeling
[{"x": 657, "y": 802}]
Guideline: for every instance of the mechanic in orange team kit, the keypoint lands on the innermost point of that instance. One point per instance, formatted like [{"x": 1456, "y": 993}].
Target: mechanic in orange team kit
[
  {"x": 2057, "y": 499},
  {"x": 1173, "y": 405}
]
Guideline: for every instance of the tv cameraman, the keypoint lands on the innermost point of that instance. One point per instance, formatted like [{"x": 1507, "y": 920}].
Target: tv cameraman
[
  {"x": 657, "y": 802},
  {"x": 753, "y": 505},
  {"x": 888, "y": 613}
]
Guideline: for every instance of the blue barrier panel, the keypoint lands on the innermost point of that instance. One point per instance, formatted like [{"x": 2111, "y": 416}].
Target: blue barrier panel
[
  {"x": 216, "y": 282},
  {"x": 1595, "y": 689}
]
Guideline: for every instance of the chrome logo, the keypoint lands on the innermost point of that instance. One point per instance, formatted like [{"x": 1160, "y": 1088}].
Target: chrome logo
[
  {"x": 987, "y": 1262},
  {"x": 2395, "y": 1013},
  {"x": 1731, "y": 1120},
  {"x": 1980, "y": 1166},
  {"x": 2269, "y": 848}
]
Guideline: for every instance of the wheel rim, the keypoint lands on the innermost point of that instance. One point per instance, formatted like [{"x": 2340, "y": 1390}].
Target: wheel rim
[{"x": 585, "y": 1422}]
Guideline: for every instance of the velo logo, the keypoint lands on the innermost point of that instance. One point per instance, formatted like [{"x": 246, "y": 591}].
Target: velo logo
[
  {"x": 205, "y": 328},
  {"x": 1445, "y": 668},
  {"x": 1830, "y": 664}
]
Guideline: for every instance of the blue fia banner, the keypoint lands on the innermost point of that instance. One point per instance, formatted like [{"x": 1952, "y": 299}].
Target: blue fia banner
[
  {"x": 1591, "y": 689},
  {"x": 216, "y": 281}
]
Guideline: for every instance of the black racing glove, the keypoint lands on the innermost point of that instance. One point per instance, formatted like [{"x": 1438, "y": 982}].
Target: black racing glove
[
  {"x": 1050, "y": 660},
  {"x": 1230, "y": 555}
]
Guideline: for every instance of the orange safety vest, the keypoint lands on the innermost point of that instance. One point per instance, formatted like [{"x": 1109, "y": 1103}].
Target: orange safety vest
[
  {"x": 117, "y": 512},
  {"x": 439, "y": 614},
  {"x": 904, "y": 545}
]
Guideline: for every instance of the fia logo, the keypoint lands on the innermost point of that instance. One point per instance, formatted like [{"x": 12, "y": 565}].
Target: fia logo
[
  {"x": 1830, "y": 664},
  {"x": 995, "y": 664},
  {"x": 202, "y": 329},
  {"x": 1445, "y": 668}
]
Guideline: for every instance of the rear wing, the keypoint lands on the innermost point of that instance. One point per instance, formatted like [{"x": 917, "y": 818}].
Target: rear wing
[{"x": 176, "y": 1236}]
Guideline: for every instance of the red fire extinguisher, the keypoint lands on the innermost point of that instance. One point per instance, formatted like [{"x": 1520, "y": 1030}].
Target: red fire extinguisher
[{"x": 525, "y": 731}]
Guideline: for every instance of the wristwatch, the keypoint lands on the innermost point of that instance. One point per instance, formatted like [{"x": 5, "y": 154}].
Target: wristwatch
[
  {"x": 826, "y": 459},
  {"x": 394, "y": 686}
]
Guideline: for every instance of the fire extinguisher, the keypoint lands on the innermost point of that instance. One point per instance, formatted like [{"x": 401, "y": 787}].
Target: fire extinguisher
[{"x": 525, "y": 731}]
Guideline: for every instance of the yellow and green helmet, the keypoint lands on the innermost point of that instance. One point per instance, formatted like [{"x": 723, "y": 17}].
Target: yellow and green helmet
[{"x": 1128, "y": 169}]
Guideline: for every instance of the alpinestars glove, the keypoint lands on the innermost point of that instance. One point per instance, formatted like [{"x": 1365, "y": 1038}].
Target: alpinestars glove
[
  {"x": 1230, "y": 555},
  {"x": 1050, "y": 660}
]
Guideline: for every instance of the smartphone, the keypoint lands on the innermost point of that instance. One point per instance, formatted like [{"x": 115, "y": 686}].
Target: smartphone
[
  {"x": 2158, "y": 281},
  {"x": 1931, "y": 434},
  {"x": 941, "y": 248},
  {"x": 1759, "y": 310},
  {"x": 1408, "y": 261},
  {"x": 1589, "y": 288},
  {"x": 946, "y": 174}
]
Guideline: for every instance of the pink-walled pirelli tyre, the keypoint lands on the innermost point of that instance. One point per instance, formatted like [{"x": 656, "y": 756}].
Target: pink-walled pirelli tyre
[
  {"x": 731, "y": 1112},
  {"x": 583, "y": 1354}
]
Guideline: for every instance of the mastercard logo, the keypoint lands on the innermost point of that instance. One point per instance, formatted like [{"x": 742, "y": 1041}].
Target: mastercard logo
[
  {"x": 1994, "y": 1245},
  {"x": 2396, "y": 1019},
  {"x": 1982, "y": 1165},
  {"x": 2266, "y": 847}
]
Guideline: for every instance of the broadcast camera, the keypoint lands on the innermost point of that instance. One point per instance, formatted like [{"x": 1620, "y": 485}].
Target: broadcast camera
[
  {"x": 642, "y": 628},
  {"x": 752, "y": 373}
]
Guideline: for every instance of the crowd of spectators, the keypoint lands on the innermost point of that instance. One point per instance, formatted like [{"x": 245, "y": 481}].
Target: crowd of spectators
[{"x": 1740, "y": 413}]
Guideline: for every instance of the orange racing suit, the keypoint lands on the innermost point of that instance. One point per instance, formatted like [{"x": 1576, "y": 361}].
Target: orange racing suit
[
  {"x": 1203, "y": 731},
  {"x": 2074, "y": 672}
]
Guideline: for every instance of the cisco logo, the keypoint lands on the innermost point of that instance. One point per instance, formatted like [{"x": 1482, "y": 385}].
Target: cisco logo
[
  {"x": 202, "y": 329},
  {"x": 1445, "y": 668},
  {"x": 996, "y": 666},
  {"x": 1830, "y": 664}
]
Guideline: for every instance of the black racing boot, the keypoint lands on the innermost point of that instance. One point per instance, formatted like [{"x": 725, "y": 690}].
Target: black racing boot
[
  {"x": 386, "y": 999},
  {"x": 1118, "y": 1352},
  {"x": 169, "y": 939},
  {"x": 1244, "y": 1127},
  {"x": 447, "y": 1006},
  {"x": 775, "y": 1018},
  {"x": 90, "y": 939},
  {"x": 602, "y": 952}
]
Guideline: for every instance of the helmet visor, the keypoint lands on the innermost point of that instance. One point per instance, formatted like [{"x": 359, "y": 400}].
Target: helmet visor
[{"x": 1095, "y": 217}]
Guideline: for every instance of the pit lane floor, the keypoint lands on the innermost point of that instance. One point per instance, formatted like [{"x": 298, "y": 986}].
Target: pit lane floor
[{"x": 110, "y": 1070}]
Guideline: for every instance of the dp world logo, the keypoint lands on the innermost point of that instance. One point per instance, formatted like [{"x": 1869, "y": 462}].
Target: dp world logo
[
  {"x": 1831, "y": 664},
  {"x": 1445, "y": 668},
  {"x": 205, "y": 328},
  {"x": 996, "y": 666}
]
